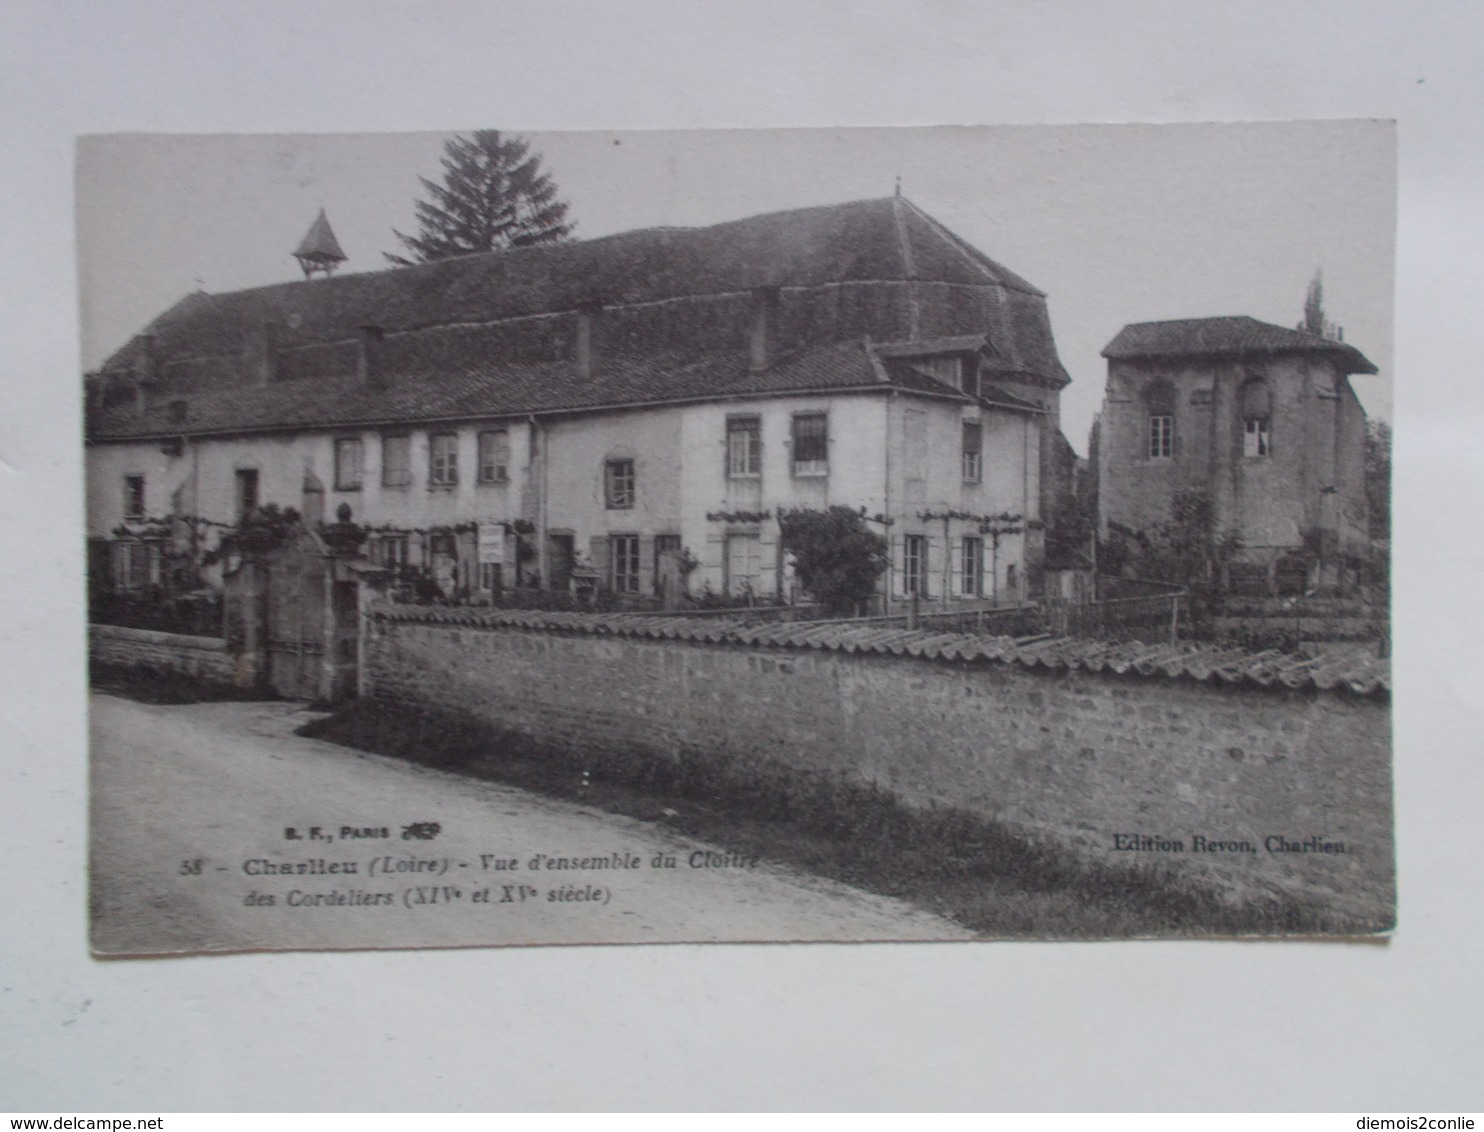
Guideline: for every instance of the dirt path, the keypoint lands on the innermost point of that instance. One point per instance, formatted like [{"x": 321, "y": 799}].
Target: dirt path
[{"x": 190, "y": 811}]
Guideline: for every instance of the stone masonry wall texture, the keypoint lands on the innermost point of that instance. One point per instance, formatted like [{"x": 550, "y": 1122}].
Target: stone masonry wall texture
[
  {"x": 1088, "y": 760},
  {"x": 205, "y": 658}
]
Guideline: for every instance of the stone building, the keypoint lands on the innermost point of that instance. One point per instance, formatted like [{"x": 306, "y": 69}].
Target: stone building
[
  {"x": 636, "y": 408},
  {"x": 1261, "y": 419}
]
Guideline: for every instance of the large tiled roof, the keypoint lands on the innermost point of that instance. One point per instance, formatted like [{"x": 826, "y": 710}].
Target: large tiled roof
[
  {"x": 494, "y": 390},
  {"x": 1345, "y": 673},
  {"x": 1231, "y": 335},
  {"x": 865, "y": 241},
  {"x": 491, "y": 390},
  {"x": 493, "y": 334}
]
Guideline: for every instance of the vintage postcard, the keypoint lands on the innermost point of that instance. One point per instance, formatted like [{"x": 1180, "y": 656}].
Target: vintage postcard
[{"x": 509, "y": 538}]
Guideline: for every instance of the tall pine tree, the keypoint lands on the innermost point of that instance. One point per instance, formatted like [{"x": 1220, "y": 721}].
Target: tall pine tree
[{"x": 494, "y": 195}]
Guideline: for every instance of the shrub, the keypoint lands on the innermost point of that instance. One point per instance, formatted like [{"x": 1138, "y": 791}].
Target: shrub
[{"x": 837, "y": 558}]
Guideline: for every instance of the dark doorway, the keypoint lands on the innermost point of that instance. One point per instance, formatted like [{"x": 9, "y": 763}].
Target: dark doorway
[{"x": 560, "y": 551}]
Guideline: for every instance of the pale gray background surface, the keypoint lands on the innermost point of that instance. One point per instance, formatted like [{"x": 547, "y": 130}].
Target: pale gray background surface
[
  {"x": 994, "y": 1026},
  {"x": 1116, "y": 223}
]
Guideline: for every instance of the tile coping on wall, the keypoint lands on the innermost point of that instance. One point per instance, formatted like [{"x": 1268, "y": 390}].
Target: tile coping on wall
[{"x": 1344, "y": 673}]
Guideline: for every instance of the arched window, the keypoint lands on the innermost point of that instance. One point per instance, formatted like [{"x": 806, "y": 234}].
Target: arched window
[
  {"x": 1159, "y": 403},
  {"x": 1257, "y": 416}
]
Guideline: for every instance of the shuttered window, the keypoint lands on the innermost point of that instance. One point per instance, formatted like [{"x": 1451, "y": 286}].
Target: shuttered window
[
  {"x": 973, "y": 566},
  {"x": 247, "y": 492},
  {"x": 494, "y": 456},
  {"x": 744, "y": 447},
  {"x": 619, "y": 485},
  {"x": 973, "y": 452},
  {"x": 743, "y": 565},
  {"x": 133, "y": 497},
  {"x": 443, "y": 459},
  {"x": 811, "y": 444},
  {"x": 349, "y": 463},
  {"x": 623, "y": 559},
  {"x": 914, "y": 565},
  {"x": 396, "y": 461}
]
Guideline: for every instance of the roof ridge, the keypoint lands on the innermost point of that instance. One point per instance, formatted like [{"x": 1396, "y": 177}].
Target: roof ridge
[
  {"x": 1225, "y": 335},
  {"x": 904, "y": 240},
  {"x": 996, "y": 272}
]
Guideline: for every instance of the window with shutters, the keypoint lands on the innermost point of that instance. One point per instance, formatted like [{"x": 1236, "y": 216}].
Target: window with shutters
[
  {"x": 973, "y": 452},
  {"x": 619, "y": 485},
  {"x": 443, "y": 459},
  {"x": 135, "y": 564},
  {"x": 391, "y": 551},
  {"x": 743, "y": 564},
  {"x": 811, "y": 444},
  {"x": 494, "y": 456},
  {"x": 247, "y": 492},
  {"x": 914, "y": 565},
  {"x": 133, "y": 497},
  {"x": 623, "y": 563},
  {"x": 349, "y": 463},
  {"x": 973, "y": 567},
  {"x": 396, "y": 460},
  {"x": 744, "y": 448}
]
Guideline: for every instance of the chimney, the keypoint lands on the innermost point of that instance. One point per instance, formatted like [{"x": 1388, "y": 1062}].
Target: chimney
[
  {"x": 589, "y": 317},
  {"x": 369, "y": 368},
  {"x": 763, "y": 339},
  {"x": 259, "y": 359},
  {"x": 179, "y": 410}
]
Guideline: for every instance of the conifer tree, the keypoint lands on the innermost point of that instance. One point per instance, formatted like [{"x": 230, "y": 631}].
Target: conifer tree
[
  {"x": 494, "y": 195},
  {"x": 1314, "y": 320}
]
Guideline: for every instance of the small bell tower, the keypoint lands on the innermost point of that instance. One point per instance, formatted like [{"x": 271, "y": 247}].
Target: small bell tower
[{"x": 319, "y": 251}]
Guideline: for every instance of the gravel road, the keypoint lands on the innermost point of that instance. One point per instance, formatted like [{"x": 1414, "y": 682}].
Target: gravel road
[{"x": 192, "y": 808}]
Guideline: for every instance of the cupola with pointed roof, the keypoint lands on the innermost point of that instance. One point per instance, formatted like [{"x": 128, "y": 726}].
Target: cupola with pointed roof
[{"x": 319, "y": 251}]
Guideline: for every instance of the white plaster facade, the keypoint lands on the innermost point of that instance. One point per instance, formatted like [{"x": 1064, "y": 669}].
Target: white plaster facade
[{"x": 897, "y": 456}]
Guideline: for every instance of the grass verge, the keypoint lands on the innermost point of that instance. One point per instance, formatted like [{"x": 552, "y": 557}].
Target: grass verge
[{"x": 992, "y": 879}]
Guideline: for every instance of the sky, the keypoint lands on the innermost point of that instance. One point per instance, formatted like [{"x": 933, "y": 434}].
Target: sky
[{"x": 1117, "y": 224}]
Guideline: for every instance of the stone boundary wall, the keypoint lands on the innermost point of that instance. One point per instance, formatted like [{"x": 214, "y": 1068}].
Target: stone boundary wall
[
  {"x": 204, "y": 658},
  {"x": 1120, "y": 767}
]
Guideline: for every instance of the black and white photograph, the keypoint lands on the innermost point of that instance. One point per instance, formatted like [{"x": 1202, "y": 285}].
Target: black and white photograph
[
  {"x": 819, "y": 557},
  {"x": 503, "y": 537}
]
